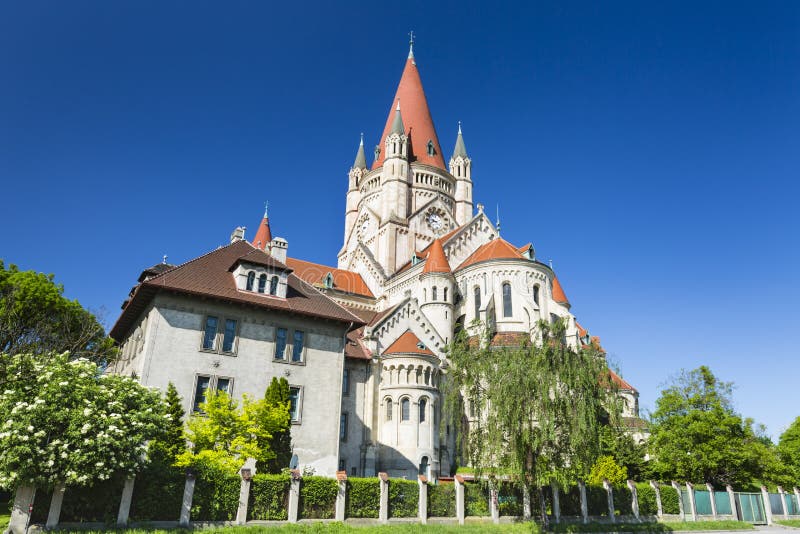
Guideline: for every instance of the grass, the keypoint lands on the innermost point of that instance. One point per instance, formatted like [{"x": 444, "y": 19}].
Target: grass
[
  {"x": 340, "y": 528},
  {"x": 653, "y": 527},
  {"x": 794, "y": 523}
]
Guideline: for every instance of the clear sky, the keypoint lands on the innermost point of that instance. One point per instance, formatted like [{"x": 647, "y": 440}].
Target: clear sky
[{"x": 650, "y": 149}]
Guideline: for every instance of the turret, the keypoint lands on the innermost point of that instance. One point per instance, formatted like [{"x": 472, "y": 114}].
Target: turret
[
  {"x": 395, "y": 170},
  {"x": 263, "y": 237},
  {"x": 461, "y": 169},
  {"x": 357, "y": 173},
  {"x": 438, "y": 286}
]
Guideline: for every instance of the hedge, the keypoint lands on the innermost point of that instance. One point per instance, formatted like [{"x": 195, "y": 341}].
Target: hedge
[
  {"x": 403, "y": 498},
  {"x": 647, "y": 499},
  {"x": 318, "y": 497},
  {"x": 570, "y": 501},
  {"x": 623, "y": 500},
  {"x": 476, "y": 499},
  {"x": 442, "y": 500},
  {"x": 363, "y": 497},
  {"x": 269, "y": 497},
  {"x": 509, "y": 498},
  {"x": 216, "y": 497},
  {"x": 597, "y": 500},
  {"x": 158, "y": 494},
  {"x": 669, "y": 500}
]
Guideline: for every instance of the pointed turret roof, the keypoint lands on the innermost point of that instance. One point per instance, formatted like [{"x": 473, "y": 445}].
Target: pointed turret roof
[
  {"x": 416, "y": 119},
  {"x": 397, "y": 123},
  {"x": 408, "y": 343},
  {"x": 437, "y": 261},
  {"x": 264, "y": 235},
  {"x": 361, "y": 159},
  {"x": 460, "y": 149},
  {"x": 558, "y": 292}
]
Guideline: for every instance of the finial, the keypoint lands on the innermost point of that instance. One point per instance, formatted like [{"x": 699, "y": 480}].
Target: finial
[
  {"x": 411, "y": 44},
  {"x": 362, "y": 139},
  {"x": 164, "y": 259},
  {"x": 459, "y": 127},
  {"x": 551, "y": 264},
  {"x": 498, "y": 219},
  {"x": 266, "y": 209},
  {"x": 398, "y": 105}
]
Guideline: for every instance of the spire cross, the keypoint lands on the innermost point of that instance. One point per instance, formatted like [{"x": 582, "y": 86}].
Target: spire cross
[
  {"x": 459, "y": 127},
  {"x": 411, "y": 35},
  {"x": 266, "y": 209},
  {"x": 362, "y": 138},
  {"x": 411, "y": 44}
]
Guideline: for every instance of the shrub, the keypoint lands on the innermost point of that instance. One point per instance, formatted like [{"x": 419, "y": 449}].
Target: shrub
[
  {"x": 597, "y": 500},
  {"x": 403, "y": 498},
  {"x": 442, "y": 500},
  {"x": 476, "y": 499},
  {"x": 216, "y": 496},
  {"x": 158, "y": 493},
  {"x": 509, "y": 498},
  {"x": 607, "y": 468},
  {"x": 269, "y": 497},
  {"x": 669, "y": 500},
  {"x": 623, "y": 500},
  {"x": 647, "y": 499},
  {"x": 570, "y": 500},
  {"x": 363, "y": 497},
  {"x": 318, "y": 497}
]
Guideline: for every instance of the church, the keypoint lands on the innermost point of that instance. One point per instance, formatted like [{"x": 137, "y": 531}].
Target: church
[{"x": 362, "y": 343}]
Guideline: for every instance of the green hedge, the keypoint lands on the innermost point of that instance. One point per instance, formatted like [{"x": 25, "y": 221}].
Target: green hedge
[
  {"x": 269, "y": 498},
  {"x": 669, "y": 500},
  {"x": 363, "y": 497},
  {"x": 647, "y": 499},
  {"x": 97, "y": 503},
  {"x": 597, "y": 500},
  {"x": 570, "y": 501},
  {"x": 403, "y": 498},
  {"x": 158, "y": 494},
  {"x": 442, "y": 499},
  {"x": 509, "y": 498},
  {"x": 318, "y": 497},
  {"x": 476, "y": 499},
  {"x": 216, "y": 497},
  {"x": 623, "y": 500}
]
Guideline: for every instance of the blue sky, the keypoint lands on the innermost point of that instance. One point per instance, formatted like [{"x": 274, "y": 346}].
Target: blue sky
[{"x": 649, "y": 149}]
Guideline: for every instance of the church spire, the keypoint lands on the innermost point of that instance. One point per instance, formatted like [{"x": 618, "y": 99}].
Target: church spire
[
  {"x": 264, "y": 235},
  {"x": 361, "y": 158},
  {"x": 460, "y": 149},
  {"x": 397, "y": 123}
]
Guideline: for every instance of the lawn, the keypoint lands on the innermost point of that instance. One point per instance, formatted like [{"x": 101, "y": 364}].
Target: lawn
[
  {"x": 652, "y": 527},
  {"x": 794, "y": 523}
]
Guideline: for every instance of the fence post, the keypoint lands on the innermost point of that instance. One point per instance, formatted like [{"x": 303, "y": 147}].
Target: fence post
[
  {"x": 681, "y": 510},
  {"x": 56, "y": 501},
  {"x": 384, "y": 512},
  {"x": 657, "y": 489},
  {"x": 692, "y": 503},
  {"x": 767, "y": 506},
  {"x": 341, "y": 494},
  {"x": 125, "y": 502},
  {"x": 188, "y": 494},
  {"x": 584, "y": 504},
  {"x": 246, "y": 472},
  {"x": 294, "y": 496},
  {"x": 797, "y": 497},
  {"x": 494, "y": 505},
  {"x": 526, "y": 502},
  {"x": 459, "y": 482},
  {"x": 610, "y": 495},
  {"x": 556, "y": 501},
  {"x": 21, "y": 510},
  {"x": 422, "y": 506},
  {"x": 732, "y": 498},
  {"x": 634, "y": 499},
  {"x": 710, "y": 489},
  {"x": 783, "y": 502}
]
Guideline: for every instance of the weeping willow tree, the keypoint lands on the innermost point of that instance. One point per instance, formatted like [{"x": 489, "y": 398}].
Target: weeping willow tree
[{"x": 532, "y": 411}]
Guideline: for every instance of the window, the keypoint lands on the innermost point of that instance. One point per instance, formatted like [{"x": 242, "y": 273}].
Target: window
[
  {"x": 343, "y": 427},
  {"x": 536, "y": 294},
  {"x": 297, "y": 346},
  {"x": 423, "y": 408},
  {"x": 224, "y": 384},
  {"x": 444, "y": 294},
  {"x": 294, "y": 404},
  {"x": 210, "y": 335},
  {"x": 346, "y": 382},
  {"x": 200, "y": 392},
  {"x": 328, "y": 282},
  {"x": 273, "y": 286},
  {"x": 431, "y": 150},
  {"x": 341, "y": 465},
  {"x": 477, "y": 293},
  {"x": 229, "y": 336},
  {"x": 405, "y": 410},
  {"x": 507, "y": 312},
  {"x": 388, "y": 409},
  {"x": 423, "y": 466},
  {"x": 251, "y": 280},
  {"x": 434, "y": 294},
  {"x": 262, "y": 283},
  {"x": 280, "y": 343}
]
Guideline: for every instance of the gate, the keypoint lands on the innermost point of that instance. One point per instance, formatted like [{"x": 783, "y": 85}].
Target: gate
[{"x": 750, "y": 508}]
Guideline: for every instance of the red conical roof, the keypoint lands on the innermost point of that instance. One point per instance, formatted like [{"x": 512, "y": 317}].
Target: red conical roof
[
  {"x": 437, "y": 261},
  {"x": 558, "y": 292},
  {"x": 416, "y": 119},
  {"x": 264, "y": 235}
]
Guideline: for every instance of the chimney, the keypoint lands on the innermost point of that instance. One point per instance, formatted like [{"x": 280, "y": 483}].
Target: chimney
[
  {"x": 278, "y": 249},
  {"x": 238, "y": 234}
]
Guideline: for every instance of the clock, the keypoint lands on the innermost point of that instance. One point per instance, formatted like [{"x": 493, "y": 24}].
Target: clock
[{"x": 434, "y": 221}]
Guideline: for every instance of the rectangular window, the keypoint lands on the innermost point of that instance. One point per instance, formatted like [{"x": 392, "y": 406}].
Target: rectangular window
[
  {"x": 346, "y": 382},
  {"x": 210, "y": 334},
  {"x": 294, "y": 403},
  {"x": 200, "y": 392},
  {"x": 297, "y": 346},
  {"x": 230, "y": 335},
  {"x": 280, "y": 343},
  {"x": 224, "y": 384},
  {"x": 343, "y": 427},
  {"x": 341, "y": 465},
  {"x": 353, "y": 471}
]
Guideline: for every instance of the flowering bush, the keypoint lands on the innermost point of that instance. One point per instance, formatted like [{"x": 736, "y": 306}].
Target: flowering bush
[{"x": 64, "y": 421}]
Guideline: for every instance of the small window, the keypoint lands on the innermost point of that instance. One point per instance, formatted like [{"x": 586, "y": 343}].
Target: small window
[
  {"x": 280, "y": 343},
  {"x": 251, "y": 280},
  {"x": 477, "y": 293},
  {"x": 341, "y": 465},
  {"x": 262, "y": 283},
  {"x": 423, "y": 408},
  {"x": 343, "y": 427},
  {"x": 294, "y": 403},
  {"x": 297, "y": 346},
  {"x": 431, "y": 150},
  {"x": 444, "y": 294},
  {"x": 200, "y": 392},
  {"x": 210, "y": 335},
  {"x": 230, "y": 335},
  {"x": 328, "y": 282},
  {"x": 346, "y": 382},
  {"x": 507, "y": 311},
  {"x": 536, "y": 294},
  {"x": 224, "y": 384},
  {"x": 434, "y": 294},
  {"x": 273, "y": 286},
  {"x": 405, "y": 410},
  {"x": 388, "y": 409}
]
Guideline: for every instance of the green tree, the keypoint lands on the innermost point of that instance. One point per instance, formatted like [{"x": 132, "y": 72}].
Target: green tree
[
  {"x": 537, "y": 406},
  {"x": 618, "y": 443},
  {"x": 64, "y": 421},
  {"x": 36, "y": 318},
  {"x": 277, "y": 395},
  {"x": 172, "y": 443},
  {"x": 607, "y": 469},
  {"x": 789, "y": 449}
]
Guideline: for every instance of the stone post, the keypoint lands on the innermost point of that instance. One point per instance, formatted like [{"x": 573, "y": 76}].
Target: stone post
[
  {"x": 422, "y": 505},
  {"x": 556, "y": 502},
  {"x": 247, "y": 471},
  {"x": 634, "y": 499},
  {"x": 188, "y": 494},
  {"x": 681, "y": 510},
  {"x": 294, "y": 496},
  {"x": 584, "y": 504},
  {"x": 22, "y": 509},
  {"x": 710, "y": 489},
  {"x": 56, "y": 501},
  {"x": 657, "y": 489},
  {"x": 383, "y": 516},
  {"x": 526, "y": 502},
  {"x": 460, "y": 510},
  {"x": 692, "y": 503},
  {"x": 494, "y": 505},
  {"x": 610, "y": 494},
  {"x": 767, "y": 506},
  {"x": 783, "y": 502},
  {"x": 732, "y": 499},
  {"x": 341, "y": 495},
  {"x": 125, "y": 502}
]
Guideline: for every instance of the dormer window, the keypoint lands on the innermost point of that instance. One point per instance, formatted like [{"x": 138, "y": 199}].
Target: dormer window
[
  {"x": 262, "y": 283},
  {"x": 251, "y": 280},
  {"x": 328, "y": 281},
  {"x": 431, "y": 150},
  {"x": 273, "y": 286}
]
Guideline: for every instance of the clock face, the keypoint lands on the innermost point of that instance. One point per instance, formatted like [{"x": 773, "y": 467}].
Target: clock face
[{"x": 434, "y": 221}]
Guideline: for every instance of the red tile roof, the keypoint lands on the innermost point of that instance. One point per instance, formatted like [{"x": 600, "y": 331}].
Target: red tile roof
[
  {"x": 495, "y": 249},
  {"x": 408, "y": 343},
  {"x": 263, "y": 236},
  {"x": 416, "y": 119},
  {"x": 619, "y": 381},
  {"x": 314, "y": 274},
  {"x": 355, "y": 348},
  {"x": 581, "y": 330},
  {"x": 436, "y": 261},
  {"x": 558, "y": 292}
]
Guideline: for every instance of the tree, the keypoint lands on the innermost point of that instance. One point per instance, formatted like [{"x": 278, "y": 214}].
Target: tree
[
  {"x": 36, "y": 318},
  {"x": 277, "y": 394},
  {"x": 618, "y": 443},
  {"x": 172, "y": 442},
  {"x": 538, "y": 406},
  {"x": 607, "y": 469},
  {"x": 64, "y": 421},
  {"x": 789, "y": 449}
]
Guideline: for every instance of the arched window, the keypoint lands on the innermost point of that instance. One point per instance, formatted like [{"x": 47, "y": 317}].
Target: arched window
[
  {"x": 405, "y": 410},
  {"x": 251, "y": 280},
  {"x": 444, "y": 294},
  {"x": 424, "y": 295},
  {"x": 262, "y": 283},
  {"x": 507, "y": 312},
  {"x": 477, "y": 292},
  {"x": 536, "y": 294},
  {"x": 423, "y": 408},
  {"x": 423, "y": 466},
  {"x": 388, "y": 409},
  {"x": 434, "y": 294},
  {"x": 273, "y": 286}
]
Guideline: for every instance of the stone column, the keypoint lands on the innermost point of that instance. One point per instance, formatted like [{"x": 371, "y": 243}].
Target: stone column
[
  {"x": 783, "y": 502},
  {"x": 341, "y": 495},
  {"x": 247, "y": 471},
  {"x": 494, "y": 505},
  {"x": 634, "y": 499},
  {"x": 460, "y": 510},
  {"x": 556, "y": 502},
  {"x": 710, "y": 489},
  {"x": 188, "y": 494},
  {"x": 767, "y": 507},
  {"x": 692, "y": 503},
  {"x": 56, "y": 501},
  {"x": 294, "y": 496},
  {"x": 657, "y": 489},
  {"x": 584, "y": 504},
  {"x": 384, "y": 512},
  {"x": 22, "y": 509},
  {"x": 610, "y": 494},
  {"x": 125, "y": 502},
  {"x": 526, "y": 502},
  {"x": 732, "y": 498},
  {"x": 422, "y": 505},
  {"x": 681, "y": 510}
]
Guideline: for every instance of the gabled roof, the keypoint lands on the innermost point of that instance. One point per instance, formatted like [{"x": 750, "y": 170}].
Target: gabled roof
[
  {"x": 416, "y": 120},
  {"x": 619, "y": 381},
  {"x": 436, "y": 261},
  {"x": 408, "y": 343},
  {"x": 210, "y": 276},
  {"x": 315, "y": 273},
  {"x": 558, "y": 292},
  {"x": 496, "y": 249}
]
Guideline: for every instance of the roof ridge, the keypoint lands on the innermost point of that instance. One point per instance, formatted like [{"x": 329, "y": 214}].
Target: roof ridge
[
  {"x": 159, "y": 275},
  {"x": 356, "y": 319}
]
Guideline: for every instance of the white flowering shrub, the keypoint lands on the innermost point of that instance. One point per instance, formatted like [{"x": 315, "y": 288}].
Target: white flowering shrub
[{"x": 64, "y": 421}]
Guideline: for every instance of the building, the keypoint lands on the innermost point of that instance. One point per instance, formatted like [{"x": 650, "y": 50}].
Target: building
[{"x": 361, "y": 343}]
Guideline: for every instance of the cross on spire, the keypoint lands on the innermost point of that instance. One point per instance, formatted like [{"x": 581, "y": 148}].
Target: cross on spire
[
  {"x": 266, "y": 209},
  {"x": 411, "y": 44}
]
